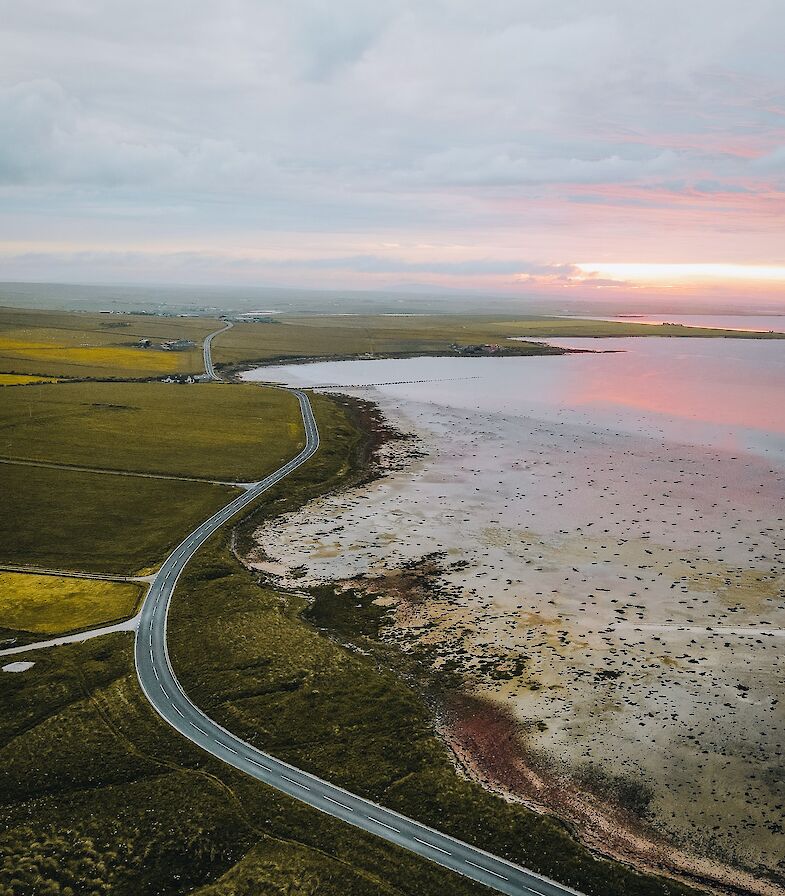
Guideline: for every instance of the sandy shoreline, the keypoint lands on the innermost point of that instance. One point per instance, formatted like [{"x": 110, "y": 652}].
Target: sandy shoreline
[
  {"x": 490, "y": 748},
  {"x": 636, "y": 643}
]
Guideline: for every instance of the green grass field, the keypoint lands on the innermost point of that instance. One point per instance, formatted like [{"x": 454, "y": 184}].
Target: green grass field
[
  {"x": 380, "y": 335},
  {"x": 98, "y": 794},
  {"x": 230, "y": 432},
  {"x": 104, "y": 346},
  {"x": 70, "y": 344},
  {"x": 89, "y": 522},
  {"x": 54, "y": 605}
]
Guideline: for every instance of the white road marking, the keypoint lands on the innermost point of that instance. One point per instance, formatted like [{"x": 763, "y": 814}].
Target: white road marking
[
  {"x": 180, "y": 557},
  {"x": 432, "y": 846},
  {"x": 383, "y": 824},
  {"x": 155, "y": 672},
  {"x": 488, "y": 870},
  {"x": 292, "y": 781},
  {"x": 342, "y": 805}
]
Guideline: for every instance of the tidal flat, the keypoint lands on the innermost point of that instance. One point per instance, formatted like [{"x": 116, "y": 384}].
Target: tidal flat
[{"x": 604, "y": 548}]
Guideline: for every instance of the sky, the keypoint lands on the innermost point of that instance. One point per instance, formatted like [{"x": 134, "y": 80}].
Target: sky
[{"x": 621, "y": 147}]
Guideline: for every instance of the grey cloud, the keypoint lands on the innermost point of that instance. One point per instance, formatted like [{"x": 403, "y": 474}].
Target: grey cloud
[
  {"x": 46, "y": 137},
  {"x": 773, "y": 161},
  {"x": 385, "y": 264},
  {"x": 717, "y": 186},
  {"x": 375, "y": 264},
  {"x": 354, "y": 117},
  {"x": 504, "y": 167}
]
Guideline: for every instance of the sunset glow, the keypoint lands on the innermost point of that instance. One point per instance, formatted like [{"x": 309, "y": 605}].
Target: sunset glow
[
  {"x": 410, "y": 507},
  {"x": 680, "y": 273},
  {"x": 400, "y": 148}
]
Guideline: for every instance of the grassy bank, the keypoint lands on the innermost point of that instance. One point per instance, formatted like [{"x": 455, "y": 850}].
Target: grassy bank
[
  {"x": 238, "y": 432},
  {"x": 98, "y": 794},
  {"x": 94, "y": 523}
]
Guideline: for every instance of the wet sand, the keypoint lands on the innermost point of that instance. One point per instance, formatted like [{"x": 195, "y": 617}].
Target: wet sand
[{"x": 614, "y": 594}]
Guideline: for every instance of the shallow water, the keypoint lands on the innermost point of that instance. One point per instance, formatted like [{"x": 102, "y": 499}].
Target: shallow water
[
  {"x": 753, "y": 322},
  {"x": 715, "y": 392},
  {"x": 618, "y": 519}
]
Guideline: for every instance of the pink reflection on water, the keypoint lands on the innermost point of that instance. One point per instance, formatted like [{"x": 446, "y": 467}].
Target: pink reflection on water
[{"x": 718, "y": 382}]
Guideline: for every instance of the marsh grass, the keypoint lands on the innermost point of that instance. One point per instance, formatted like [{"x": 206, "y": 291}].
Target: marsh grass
[{"x": 98, "y": 794}]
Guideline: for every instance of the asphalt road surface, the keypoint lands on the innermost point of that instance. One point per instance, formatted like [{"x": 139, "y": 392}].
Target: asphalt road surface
[
  {"x": 168, "y": 698},
  {"x": 206, "y": 350}
]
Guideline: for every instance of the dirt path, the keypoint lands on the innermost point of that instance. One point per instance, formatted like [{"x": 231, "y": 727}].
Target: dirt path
[
  {"x": 71, "y": 574},
  {"x": 126, "y": 625},
  {"x": 77, "y": 469}
]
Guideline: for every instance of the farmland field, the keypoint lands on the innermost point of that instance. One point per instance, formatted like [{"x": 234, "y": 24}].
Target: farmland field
[
  {"x": 53, "y": 605},
  {"x": 63, "y": 519},
  {"x": 64, "y": 344},
  {"x": 206, "y": 430},
  {"x": 20, "y": 379}
]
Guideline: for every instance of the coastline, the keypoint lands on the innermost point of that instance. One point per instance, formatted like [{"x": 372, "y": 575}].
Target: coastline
[
  {"x": 609, "y": 829},
  {"x": 490, "y": 748},
  {"x": 533, "y": 348}
]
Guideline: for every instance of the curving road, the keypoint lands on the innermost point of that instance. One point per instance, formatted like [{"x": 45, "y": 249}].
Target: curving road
[
  {"x": 167, "y": 697},
  {"x": 206, "y": 350}
]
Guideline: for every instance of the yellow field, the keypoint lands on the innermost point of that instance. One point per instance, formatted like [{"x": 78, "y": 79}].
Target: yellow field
[
  {"x": 16, "y": 379},
  {"x": 62, "y": 344},
  {"x": 129, "y": 360},
  {"x": 54, "y": 605}
]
